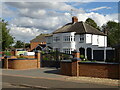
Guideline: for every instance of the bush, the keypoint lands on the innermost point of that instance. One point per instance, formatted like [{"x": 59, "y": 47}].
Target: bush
[
  {"x": 82, "y": 56},
  {"x": 7, "y": 53}
]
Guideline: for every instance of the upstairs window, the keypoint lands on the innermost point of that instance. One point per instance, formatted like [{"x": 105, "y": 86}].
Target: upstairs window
[
  {"x": 68, "y": 38},
  {"x": 81, "y": 38},
  {"x": 56, "y": 39}
]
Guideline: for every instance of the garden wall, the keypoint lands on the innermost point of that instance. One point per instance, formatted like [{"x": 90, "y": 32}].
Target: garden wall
[
  {"x": 90, "y": 69},
  {"x": 100, "y": 70},
  {"x": 28, "y": 62},
  {"x": 22, "y": 63}
]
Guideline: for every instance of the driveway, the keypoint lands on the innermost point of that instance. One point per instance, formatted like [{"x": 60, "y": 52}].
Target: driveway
[{"x": 51, "y": 74}]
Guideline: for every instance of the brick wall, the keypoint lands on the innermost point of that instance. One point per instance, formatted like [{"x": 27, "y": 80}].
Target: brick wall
[
  {"x": 99, "y": 70},
  {"x": 66, "y": 68},
  {"x": 29, "y": 56},
  {"x": 22, "y": 64},
  {"x": 15, "y": 63},
  {"x": 90, "y": 69},
  {"x": 33, "y": 44}
]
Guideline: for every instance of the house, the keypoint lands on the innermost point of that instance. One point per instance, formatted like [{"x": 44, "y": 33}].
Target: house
[
  {"x": 37, "y": 42},
  {"x": 82, "y": 37}
]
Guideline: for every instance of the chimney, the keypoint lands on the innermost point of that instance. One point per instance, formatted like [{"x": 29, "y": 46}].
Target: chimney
[{"x": 74, "y": 19}]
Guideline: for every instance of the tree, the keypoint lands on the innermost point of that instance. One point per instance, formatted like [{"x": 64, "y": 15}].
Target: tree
[
  {"x": 19, "y": 44},
  {"x": 27, "y": 45},
  {"x": 92, "y": 23},
  {"x": 113, "y": 32},
  {"x": 6, "y": 39}
]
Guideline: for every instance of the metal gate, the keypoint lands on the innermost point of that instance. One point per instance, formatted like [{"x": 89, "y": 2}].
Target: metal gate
[{"x": 52, "y": 59}]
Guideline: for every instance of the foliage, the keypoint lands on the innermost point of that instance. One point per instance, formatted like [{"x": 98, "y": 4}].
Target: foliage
[
  {"x": 42, "y": 52},
  {"x": 19, "y": 44},
  {"x": 113, "y": 32},
  {"x": 27, "y": 45},
  {"x": 6, "y": 39},
  {"x": 82, "y": 56},
  {"x": 92, "y": 23},
  {"x": 7, "y": 53}
]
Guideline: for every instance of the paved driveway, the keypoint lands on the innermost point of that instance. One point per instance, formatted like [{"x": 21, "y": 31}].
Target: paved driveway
[{"x": 42, "y": 72}]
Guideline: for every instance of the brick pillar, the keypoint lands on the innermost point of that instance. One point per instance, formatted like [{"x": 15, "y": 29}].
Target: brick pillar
[
  {"x": 38, "y": 57},
  {"x": 5, "y": 62},
  {"x": 75, "y": 64},
  {"x": 77, "y": 55}
]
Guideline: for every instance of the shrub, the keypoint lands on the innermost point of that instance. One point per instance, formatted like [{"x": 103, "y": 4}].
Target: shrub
[
  {"x": 7, "y": 53},
  {"x": 82, "y": 56}
]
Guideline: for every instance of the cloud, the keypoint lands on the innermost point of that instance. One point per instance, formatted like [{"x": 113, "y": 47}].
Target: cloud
[
  {"x": 99, "y": 8},
  {"x": 32, "y": 18},
  {"x": 41, "y": 5},
  {"x": 100, "y": 19},
  {"x": 22, "y": 33},
  {"x": 6, "y": 12}
]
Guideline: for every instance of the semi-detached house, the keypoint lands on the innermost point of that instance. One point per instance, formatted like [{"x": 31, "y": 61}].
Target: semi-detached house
[{"x": 81, "y": 37}]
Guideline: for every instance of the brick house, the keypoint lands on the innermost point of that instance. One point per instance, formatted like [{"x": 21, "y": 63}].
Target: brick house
[{"x": 39, "y": 40}]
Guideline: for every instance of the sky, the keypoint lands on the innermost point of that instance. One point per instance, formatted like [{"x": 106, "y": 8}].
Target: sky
[{"x": 29, "y": 19}]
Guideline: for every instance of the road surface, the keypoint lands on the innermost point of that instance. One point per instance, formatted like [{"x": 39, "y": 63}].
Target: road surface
[{"x": 42, "y": 83}]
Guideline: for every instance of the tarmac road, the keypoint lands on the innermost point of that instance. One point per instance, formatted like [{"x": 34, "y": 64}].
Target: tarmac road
[{"x": 39, "y": 83}]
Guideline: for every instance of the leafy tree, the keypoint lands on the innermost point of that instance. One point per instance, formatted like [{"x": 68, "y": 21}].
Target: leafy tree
[
  {"x": 27, "y": 45},
  {"x": 6, "y": 39},
  {"x": 19, "y": 44},
  {"x": 92, "y": 23},
  {"x": 113, "y": 32}
]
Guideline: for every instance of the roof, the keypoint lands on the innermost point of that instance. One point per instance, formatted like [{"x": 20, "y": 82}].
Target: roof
[
  {"x": 39, "y": 38},
  {"x": 79, "y": 28},
  {"x": 49, "y": 35}
]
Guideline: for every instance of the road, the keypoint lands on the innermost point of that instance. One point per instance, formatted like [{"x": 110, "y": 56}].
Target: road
[{"x": 42, "y": 83}]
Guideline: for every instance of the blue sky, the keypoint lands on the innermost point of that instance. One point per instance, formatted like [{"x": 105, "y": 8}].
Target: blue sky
[
  {"x": 92, "y": 5},
  {"x": 28, "y": 19}
]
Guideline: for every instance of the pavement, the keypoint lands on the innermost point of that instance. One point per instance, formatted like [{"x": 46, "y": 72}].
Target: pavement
[{"x": 51, "y": 78}]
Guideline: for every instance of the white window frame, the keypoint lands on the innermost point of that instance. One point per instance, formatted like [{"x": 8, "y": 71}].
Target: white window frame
[{"x": 82, "y": 38}]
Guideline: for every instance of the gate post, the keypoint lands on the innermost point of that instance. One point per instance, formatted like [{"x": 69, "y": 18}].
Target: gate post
[
  {"x": 5, "y": 62},
  {"x": 75, "y": 63},
  {"x": 38, "y": 57}
]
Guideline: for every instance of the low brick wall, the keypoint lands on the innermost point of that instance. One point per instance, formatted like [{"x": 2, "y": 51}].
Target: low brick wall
[
  {"x": 66, "y": 68},
  {"x": 90, "y": 69},
  {"x": 29, "y": 56},
  {"x": 22, "y": 63},
  {"x": 100, "y": 70}
]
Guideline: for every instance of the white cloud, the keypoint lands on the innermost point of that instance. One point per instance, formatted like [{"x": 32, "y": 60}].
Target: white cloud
[
  {"x": 23, "y": 34},
  {"x": 35, "y": 18},
  {"x": 99, "y": 8},
  {"x": 100, "y": 19}
]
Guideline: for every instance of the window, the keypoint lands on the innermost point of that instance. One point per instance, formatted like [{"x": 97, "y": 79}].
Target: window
[
  {"x": 67, "y": 50},
  {"x": 56, "y": 49},
  {"x": 81, "y": 38},
  {"x": 56, "y": 39},
  {"x": 68, "y": 38}
]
